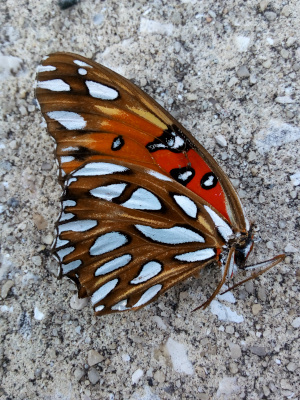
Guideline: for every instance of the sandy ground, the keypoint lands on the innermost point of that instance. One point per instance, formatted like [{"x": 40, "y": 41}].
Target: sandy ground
[{"x": 229, "y": 71}]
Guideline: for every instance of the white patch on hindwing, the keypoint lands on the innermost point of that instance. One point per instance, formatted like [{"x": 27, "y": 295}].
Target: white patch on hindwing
[
  {"x": 198, "y": 255},
  {"x": 99, "y": 169},
  {"x": 103, "y": 291},
  {"x": 64, "y": 252},
  {"x": 99, "y": 91},
  {"x": 77, "y": 226},
  {"x": 55, "y": 85},
  {"x": 70, "y": 266},
  {"x": 120, "y": 306},
  {"x": 99, "y": 308},
  {"x": 223, "y": 228},
  {"x": 174, "y": 235},
  {"x": 148, "y": 295},
  {"x": 69, "y": 119},
  {"x": 114, "y": 264},
  {"x": 45, "y": 68},
  {"x": 82, "y": 71},
  {"x": 108, "y": 242},
  {"x": 142, "y": 199},
  {"x": 159, "y": 176},
  {"x": 187, "y": 205},
  {"x": 66, "y": 216},
  {"x": 81, "y": 63},
  {"x": 65, "y": 159},
  {"x": 149, "y": 270},
  {"x": 108, "y": 192}
]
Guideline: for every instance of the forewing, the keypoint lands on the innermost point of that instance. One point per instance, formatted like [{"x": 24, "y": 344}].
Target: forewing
[
  {"x": 126, "y": 234},
  {"x": 94, "y": 113}
]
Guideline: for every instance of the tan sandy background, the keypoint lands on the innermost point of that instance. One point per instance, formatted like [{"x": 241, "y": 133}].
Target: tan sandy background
[{"x": 229, "y": 71}]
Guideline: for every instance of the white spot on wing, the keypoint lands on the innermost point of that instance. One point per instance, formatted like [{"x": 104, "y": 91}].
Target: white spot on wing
[
  {"x": 82, "y": 71},
  {"x": 142, "y": 199},
  {"x": 56, "y": 85},
  {"x": 221, "y": 225},
  {"x": 60, "y": 243},
  {"x": 175, "y": 235},
  {"x": 148, "y": 295},
  {"x": 185, "y": 175},
  {"x": 78, "y": 226},
  {"x": 99, "y": 91},
  {"x": 99, "y": 168},
  {"x": 99, "y": 308},
  {"x": 70, "y": 148},
  {"x": 108, "y": 242},
  {"x": 68, "y": 203},
  {"x": 70, "y": 120},
  {"x": 82, "y": 64},
  {"x": 113, "y": 265},
  {"x": 198, "y": 255},
  {"x": 159, "y": 176},
  {"x": 103, "y": 291},
  {"x": 71, "y": 266},
  {"x": 64, "y": 252},
  {"x": 149, "y": 270},
  {"x": 65, "y": 159},
  {"x": 66, "y": 216},
  {"x": 45, "y": 68},
  {"x": 187, "y": 205},
  {"x": 109, "y": 192},
  {"x": 121, "y": 306}
]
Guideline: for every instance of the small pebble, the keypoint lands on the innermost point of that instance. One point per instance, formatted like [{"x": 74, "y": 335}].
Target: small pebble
[
  {"x": 39, "y": 221},
  {"x": 284, "y": 54},
  {"x": 289, "y": 248},
  {"x": 243, "y": 72},
  {"x": 94, "y": 358},
  {"x": 270, "y": 15},
  {"x": 258, "y": 350},
  {"x": 256, "y": 308},
  {"x": 6, "y": 288},
  {"x": 159, "y": 376},
  {"x": 93, "y": 375},
  {"x": 136, "y": 376},
  {"x": 78, "y": 304},
  {"x": 286, "y": 11},
  {"x": 267, "y": 64},
  {"x": 48, "y": 239},
  {"x": 37, "y": 260},
  {"x": 296, "y": 323},
  {"x": 263, "y": 5},
  {"x": 235, "y": 350},
  {"x": 220, "y": 139},
  {"x": 79, "y": 373}
]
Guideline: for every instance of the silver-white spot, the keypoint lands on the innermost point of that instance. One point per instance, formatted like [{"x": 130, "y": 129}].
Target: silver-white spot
[
  {"x": 78, "y": 226},
  {"x": 82, "y": 63},
  {"x": 70, "y": 180},
  {"x": 209, "y": 181},
  {"x": 70, "y": 120},
  {"x": 109, "y": 192},
  {"x": 113, "y": 265},
  {"x": 148, "y": 295},
  {"x": 65, "y": 159},
  {"x": 198, "y": 255},
  {"x": 149, "y": 270},
  {"x": 121, "y": 306},
  {"x": 185, "y": 175},
  {"x": 159, "y": 176},
  {"x": 71, "y": 266},
  {"x": 108, "y": 242},
  {"x": 70, "y": 148},
  {"x": 99, "y": 91},
  {"x": 99, "y": 308},
  {"x": 221, "y": 225},
  {"x": 175, "y": 235},
  {"x": 66, "y": 216},
  {"x": 142, "y": 199},
  {"x": 64, "y": 252},
  {"x": 82, "y": 71},
  {"x": 103, "y": 291},
  {"x": 55, "y": 85},
  {"x": 60, "y": 243},
  {"x": 45, "y": 68},
  {"x": 99, "y": 168},
  {"x": 68, "y": 203},
  {"x": 187, "y": 205}
]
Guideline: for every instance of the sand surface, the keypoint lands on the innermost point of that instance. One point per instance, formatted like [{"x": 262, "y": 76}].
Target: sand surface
[{"x": 229, "y": 71}]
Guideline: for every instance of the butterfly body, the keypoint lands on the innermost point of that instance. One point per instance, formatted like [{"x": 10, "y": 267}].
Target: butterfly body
[{"x": 144, "y": 205}]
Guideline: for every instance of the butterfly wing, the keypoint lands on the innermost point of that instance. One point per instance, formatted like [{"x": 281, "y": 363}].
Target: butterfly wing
[
  {"x": 127, "y": 233},
  {"x": 95, "y": 114}
]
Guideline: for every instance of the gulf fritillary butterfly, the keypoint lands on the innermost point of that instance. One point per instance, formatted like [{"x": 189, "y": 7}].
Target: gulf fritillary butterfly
[{"x": 144, "y": 205}]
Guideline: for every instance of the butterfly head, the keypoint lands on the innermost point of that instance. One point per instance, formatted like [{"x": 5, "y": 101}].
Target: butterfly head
[{"x": 243, "y": 248}]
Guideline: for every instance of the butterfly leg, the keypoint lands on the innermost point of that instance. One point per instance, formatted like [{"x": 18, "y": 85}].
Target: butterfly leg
[{"x": 228, "y": 266}]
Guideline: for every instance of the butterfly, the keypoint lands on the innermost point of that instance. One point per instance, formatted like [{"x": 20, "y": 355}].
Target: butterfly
[{"x": 144, "y": 205}]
